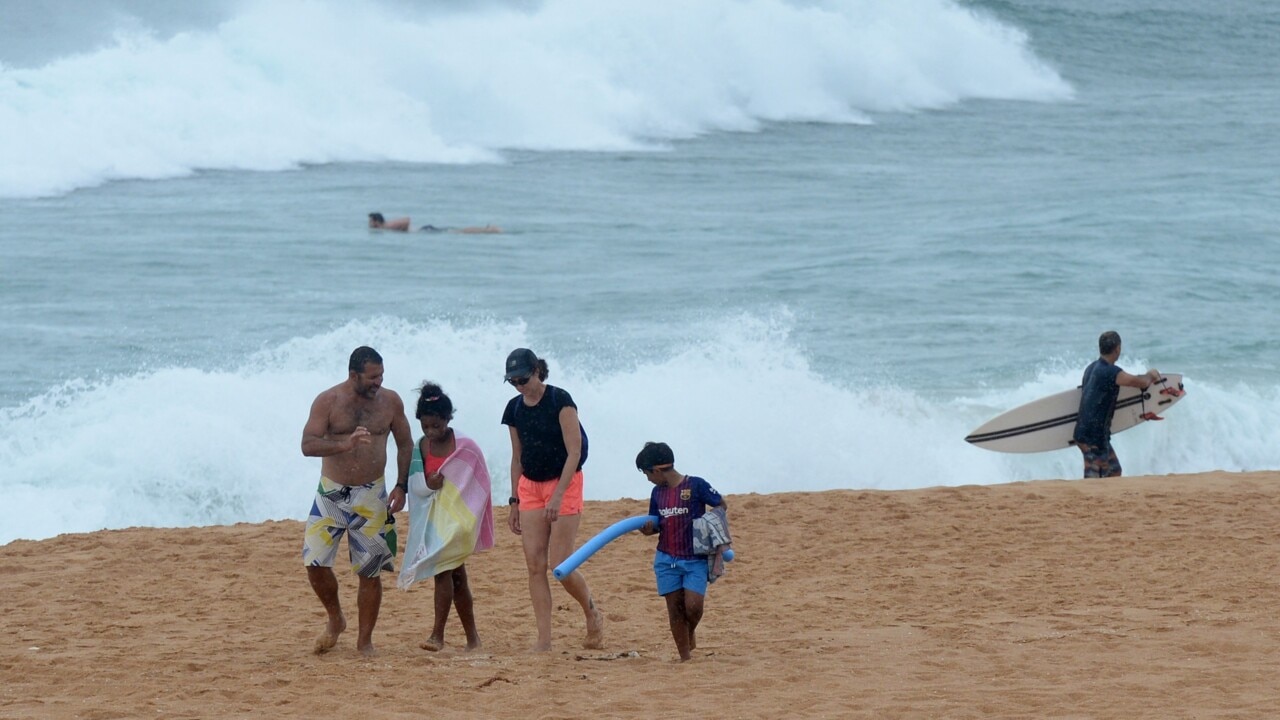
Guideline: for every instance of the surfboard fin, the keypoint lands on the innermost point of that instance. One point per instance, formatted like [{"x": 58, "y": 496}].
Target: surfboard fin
[
  {"x": 1150, "y": 416},
  {"x": 1175, "y": 392}
]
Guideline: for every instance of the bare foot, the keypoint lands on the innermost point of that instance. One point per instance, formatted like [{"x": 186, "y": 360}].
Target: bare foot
[
  {"x": 433, "y": 643},
  {"x": 367, "y": 650},
  {"x": 327, "y": 639},
  {"x": 595, "y": 630},
  {"x": 473, "y": 644},
  {"x": 541, "y": 647}
]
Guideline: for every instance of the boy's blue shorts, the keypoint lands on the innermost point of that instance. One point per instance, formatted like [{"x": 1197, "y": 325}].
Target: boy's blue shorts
[{"x": 674, "y": 573}]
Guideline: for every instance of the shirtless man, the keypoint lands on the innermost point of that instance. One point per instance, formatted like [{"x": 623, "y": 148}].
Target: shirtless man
[{"x": 348, "y": 428}]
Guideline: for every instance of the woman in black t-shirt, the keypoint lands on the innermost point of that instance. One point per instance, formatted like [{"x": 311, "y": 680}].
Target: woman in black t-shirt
[{"x": 548, "y": 448}]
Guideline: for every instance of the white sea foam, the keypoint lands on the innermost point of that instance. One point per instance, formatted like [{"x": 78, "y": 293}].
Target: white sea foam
[
  {"x": 281, "y": 84},
  {"x": 190, "y": 446}
]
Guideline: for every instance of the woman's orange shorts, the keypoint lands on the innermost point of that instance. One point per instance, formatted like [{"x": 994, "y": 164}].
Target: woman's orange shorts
[{"x": 534, "y": 494}]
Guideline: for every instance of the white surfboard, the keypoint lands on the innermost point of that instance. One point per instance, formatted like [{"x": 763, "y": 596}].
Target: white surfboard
[{"x": 1048, "y": 423}]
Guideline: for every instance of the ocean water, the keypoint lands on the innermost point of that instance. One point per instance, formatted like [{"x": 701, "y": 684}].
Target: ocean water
[{"x": 811, "y": 244}]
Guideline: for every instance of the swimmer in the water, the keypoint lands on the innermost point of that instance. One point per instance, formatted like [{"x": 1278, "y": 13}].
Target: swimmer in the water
[{"x": 403, "y": 224}]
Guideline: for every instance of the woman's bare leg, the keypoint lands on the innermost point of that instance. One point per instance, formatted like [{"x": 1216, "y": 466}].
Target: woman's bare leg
[
  {"x": 563, "y": 532},
  {"x": 534, "y": 537}
]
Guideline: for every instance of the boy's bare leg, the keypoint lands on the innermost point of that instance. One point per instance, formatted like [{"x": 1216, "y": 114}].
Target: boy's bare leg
[
  {"x": 693, "y": 603},
  {"x": 679, "y": 625}
]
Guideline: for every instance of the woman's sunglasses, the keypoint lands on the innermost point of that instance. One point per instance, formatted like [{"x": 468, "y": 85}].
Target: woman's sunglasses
[{"x": 519, "y": 381}]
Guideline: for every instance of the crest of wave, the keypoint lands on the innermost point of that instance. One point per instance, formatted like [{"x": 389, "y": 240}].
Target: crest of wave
[
  {"x": 736, "y": 398},
  {"x": 280, "y": 84}
]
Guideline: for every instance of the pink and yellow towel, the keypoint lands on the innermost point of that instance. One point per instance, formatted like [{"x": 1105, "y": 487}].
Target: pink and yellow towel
[{"x": 447, "y": 525}]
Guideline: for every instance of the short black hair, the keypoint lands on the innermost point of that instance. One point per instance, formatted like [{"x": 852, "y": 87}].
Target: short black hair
[
  {"x": 1108, "y": 342},
  {"x": 362, "y": 356},
  {"x": 654, "y": 454},
  {"x": 377, "y": 217}
]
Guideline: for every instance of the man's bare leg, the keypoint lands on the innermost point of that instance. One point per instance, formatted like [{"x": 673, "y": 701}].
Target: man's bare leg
[
  {"x": 369, "y": 600},
  {"x": 325, "y": 584}
]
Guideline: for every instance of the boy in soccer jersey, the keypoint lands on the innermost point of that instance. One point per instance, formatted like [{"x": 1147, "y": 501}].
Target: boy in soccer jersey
[{"x": 677, "y": 500}]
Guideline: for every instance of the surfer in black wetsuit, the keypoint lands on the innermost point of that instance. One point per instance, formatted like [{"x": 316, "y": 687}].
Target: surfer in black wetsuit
[{"x": 1099, "y": 390}]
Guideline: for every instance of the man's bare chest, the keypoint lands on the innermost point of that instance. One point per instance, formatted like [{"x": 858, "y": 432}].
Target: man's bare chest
[{"x": 373, "y": 416}]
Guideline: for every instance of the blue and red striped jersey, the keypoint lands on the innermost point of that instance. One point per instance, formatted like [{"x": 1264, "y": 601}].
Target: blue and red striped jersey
[{"x": 676, "y": 508}]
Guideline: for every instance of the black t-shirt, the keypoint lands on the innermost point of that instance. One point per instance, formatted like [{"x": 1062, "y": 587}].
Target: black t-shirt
[
  {"x": 542, "y": 450},
  {"x": 1097, "y": 403}
]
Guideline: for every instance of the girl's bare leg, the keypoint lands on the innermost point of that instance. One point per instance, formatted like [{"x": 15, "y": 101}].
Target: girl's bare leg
[
  {"x": 462, "y": 600},
  {"x": 443, "y": 601}
]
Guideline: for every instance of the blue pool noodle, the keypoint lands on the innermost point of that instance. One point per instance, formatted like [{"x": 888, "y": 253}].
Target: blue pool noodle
[{"x": 609, "y": 534}]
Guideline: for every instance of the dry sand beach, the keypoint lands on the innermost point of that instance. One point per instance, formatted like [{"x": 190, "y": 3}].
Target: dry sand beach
[{"x": 1150, "y": 597}]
